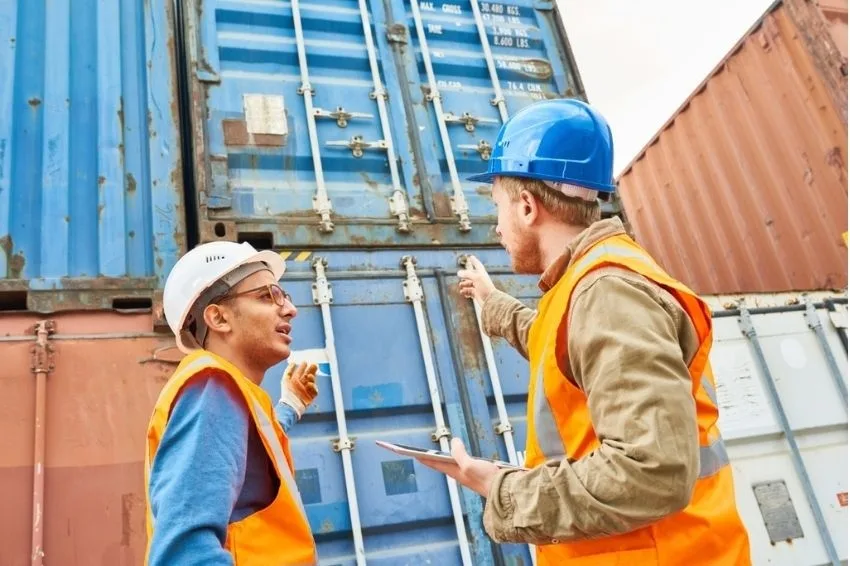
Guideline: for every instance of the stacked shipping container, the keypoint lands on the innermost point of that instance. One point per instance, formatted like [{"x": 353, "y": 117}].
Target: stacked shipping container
[
  {"x": 338, "y": 133},
  {"x": 745, "y": 189}
]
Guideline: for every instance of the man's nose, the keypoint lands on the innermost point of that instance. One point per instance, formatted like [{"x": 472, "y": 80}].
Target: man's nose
[{"x": 289, "y": 309}]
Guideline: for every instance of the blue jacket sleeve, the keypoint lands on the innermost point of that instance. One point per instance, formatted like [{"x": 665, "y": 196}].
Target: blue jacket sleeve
[
  {"x": 286, "y": 416},
  {"x": 198, "y": 473}
]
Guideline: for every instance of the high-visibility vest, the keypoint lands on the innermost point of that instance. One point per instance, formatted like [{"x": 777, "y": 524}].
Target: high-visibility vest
[
  {"x": 278, "y": 534},
  {"x": 709, "y": 530}
]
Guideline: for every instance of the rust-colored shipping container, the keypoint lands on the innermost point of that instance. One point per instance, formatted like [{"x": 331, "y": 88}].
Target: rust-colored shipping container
[
  {"x": 744, "y": 190},
  {"x": 102, "y": 383}
]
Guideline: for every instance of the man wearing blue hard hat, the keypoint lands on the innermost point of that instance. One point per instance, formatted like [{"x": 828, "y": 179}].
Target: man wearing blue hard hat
[{"x": 626, "y": 462}]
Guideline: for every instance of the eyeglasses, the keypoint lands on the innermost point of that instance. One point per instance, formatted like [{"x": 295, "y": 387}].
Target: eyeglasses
[{"x": 274, "y": 291}]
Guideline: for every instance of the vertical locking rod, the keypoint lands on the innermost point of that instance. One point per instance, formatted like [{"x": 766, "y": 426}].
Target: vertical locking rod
[
  {"x": 321, "y": 201},
  {"x": 505, "y": 428},
  {"x": 745, "y": 322},
  {"x": 398, "y": 201},
  {"x": 459, "y": 205},
  {"x": 414, "y": 294},
  {"x": 42, "y": 364},
  {"x": 498, "y": 97},
  {"x": 814, "y": 322},
  {"x": 323, "y": 296}
]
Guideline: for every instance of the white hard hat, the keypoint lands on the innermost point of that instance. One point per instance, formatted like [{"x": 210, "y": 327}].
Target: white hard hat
[{"x": 200, "y": 269}]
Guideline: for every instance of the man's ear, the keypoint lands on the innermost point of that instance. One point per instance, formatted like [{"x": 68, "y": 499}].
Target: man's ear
[
  {"x": 218, "y": 318},
  {"x": 529, "y": 210}
]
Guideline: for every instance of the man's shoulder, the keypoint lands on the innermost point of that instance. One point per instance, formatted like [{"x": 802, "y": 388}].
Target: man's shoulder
[
  {"x": 618, "y": 286},
  {"x": 211, "y": 389}
]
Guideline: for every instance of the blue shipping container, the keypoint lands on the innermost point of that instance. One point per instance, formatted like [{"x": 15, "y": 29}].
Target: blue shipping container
[
  {"x": 355, "y": 123},
  {"x": 91, "y": 192},
  {"x": 393, "y": 333}
]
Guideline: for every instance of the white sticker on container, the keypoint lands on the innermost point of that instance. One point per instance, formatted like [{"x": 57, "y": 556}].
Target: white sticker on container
[
  {"x": 793, "y": 353},
  {"x": 265, "y": 114},
  {"x": 740, "y": 393}
]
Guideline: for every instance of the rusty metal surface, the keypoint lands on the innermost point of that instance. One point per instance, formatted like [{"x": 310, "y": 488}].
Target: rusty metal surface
[
  {"x": 745, "y": 189},
  {"x": 98, "y": 399},
  {"x": 835, "y": 12}
]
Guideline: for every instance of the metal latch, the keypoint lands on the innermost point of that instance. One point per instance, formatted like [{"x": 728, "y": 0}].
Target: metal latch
[
  {"x": 341, "y": 444},
  {"x": 502, "y": 428},
  {"x": 322, "y": 294},
  {"x": 468, "y": 120},
  {"x": 341, "y": 115},
  {"x": 397, "y": 33},
  {"x": 441, "y": 432},
  {"x": 483, "y": 148},
  {"x": 398, "y": 207},
  {"x": 412, "y": 286},
  {"x": 357, "y": 145}
]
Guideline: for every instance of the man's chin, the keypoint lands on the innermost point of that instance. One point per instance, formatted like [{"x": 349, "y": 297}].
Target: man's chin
[{"x": 524, "y": 268}]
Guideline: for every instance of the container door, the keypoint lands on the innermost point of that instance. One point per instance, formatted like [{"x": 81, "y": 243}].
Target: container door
[
  {"x": 376, "y": 325},
  {"x": 792, "y": 498},
  {"x": 502, "y": 379},
  {"x": 299, "y": 123},
  {"x": 792, "y": 512},
  {"x": 469, "y": 66}
]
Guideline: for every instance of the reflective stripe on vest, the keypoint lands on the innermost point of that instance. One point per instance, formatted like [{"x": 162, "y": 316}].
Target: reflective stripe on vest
[
  {"x": 267, "y": 431},
  {"x": 711, "y": 458},
  {"x": 265, "y": 428},
  {"x": 611, "y": 249},
  {"x": 560, "y": 426}
]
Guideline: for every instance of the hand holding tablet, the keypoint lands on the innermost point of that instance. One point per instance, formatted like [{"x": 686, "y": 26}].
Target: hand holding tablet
[{"x": 437, "y": 455}]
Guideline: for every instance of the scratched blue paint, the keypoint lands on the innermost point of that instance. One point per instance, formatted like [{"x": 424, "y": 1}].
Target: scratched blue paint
[
  {"x": 90, "y": 166},
  {"x": 384, "y": 392},
  {"x": 531, "y": 61},
  {"x": 378, "y": 396},
  {"x": 267, "y": 186},
  {"x": 328, "y": 518}
]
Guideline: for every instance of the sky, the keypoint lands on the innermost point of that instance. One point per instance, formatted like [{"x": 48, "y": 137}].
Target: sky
[{"x": 641, "y": 59}]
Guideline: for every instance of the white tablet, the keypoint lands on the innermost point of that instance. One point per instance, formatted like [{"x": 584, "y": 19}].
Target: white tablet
[{"x": 438, "y": 455}]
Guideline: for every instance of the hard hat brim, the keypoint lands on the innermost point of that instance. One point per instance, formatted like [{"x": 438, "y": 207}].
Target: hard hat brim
[
  {"x": 482, "y": 178},
  {"x": 490, "y": 176}
]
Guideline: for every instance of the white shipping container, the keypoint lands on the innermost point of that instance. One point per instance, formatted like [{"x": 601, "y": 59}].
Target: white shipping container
[{"x": 793, "y": 498}]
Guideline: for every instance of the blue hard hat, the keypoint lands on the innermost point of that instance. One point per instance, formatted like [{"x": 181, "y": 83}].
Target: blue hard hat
[{"x": 563, "y": 140}]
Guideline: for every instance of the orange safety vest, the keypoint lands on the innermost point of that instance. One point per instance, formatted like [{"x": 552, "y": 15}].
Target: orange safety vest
[
  {"x": 278, "y": 534},
  {"x": 709, "y": 530}
]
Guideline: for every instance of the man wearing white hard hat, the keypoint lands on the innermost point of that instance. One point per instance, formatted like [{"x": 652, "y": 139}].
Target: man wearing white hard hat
[{"x": 218, "y": 470}]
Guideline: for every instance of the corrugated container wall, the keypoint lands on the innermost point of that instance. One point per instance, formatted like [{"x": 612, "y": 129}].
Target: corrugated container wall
[
  {"x": 346, "y": 123},
  {"x": 103, "y": 380},
  {"x": 745, "y": 189},
  {"x": 91, "y": 192},
  {"x": 106, "y": 370}
]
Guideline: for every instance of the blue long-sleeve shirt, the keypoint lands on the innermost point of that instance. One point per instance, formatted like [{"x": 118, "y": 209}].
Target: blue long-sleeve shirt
[{"x": 210, "y": 470}]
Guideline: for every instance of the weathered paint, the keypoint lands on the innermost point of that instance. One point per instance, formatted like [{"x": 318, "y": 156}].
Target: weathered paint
[
  {"x": 91, "y": 196},
  {"x": 106, "y": 378},
  {"x": 404, "y": 506},
  {"x": 259, "y": 185},
  {"x": 99, "y": 395},
  {"x": 753, "y": 436},
  {"x": 744, "y": 190}
]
